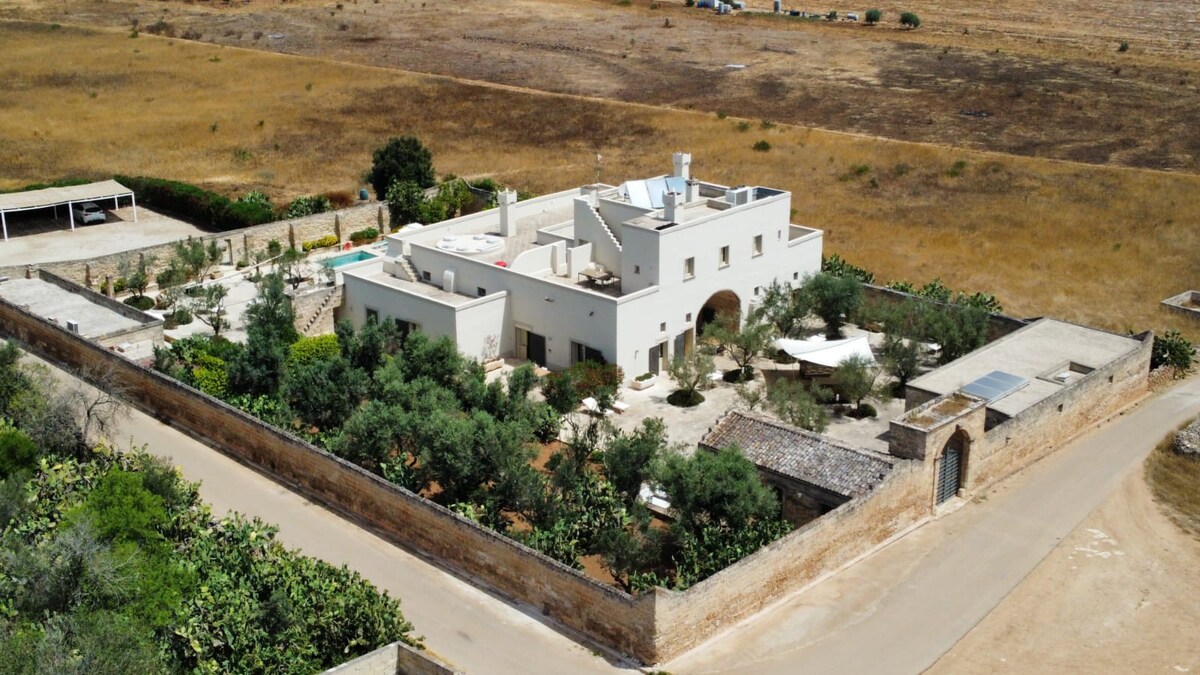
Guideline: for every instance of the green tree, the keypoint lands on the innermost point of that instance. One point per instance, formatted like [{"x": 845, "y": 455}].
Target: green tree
[
  {"x": 136, "y": 274},
  {"x": 910, "y": 20},
  {"x": 630, "y": 458},
  {"x": 874, "y": 16},
  {"x": 798, "y": 405},
  {"x": 270, "y": 330},
  {"x": 901, "y": 358},
  {"x": 833, "y": 298},
  {"x": 402, "y": 159},
  {"x": 406, "y": 201},
  {"x": 855, "y": 377},
  {"x": 783, "y": 308},
  {"x": 719, "y": 488},
  {"x": 957, "y": 329},
  {"x": 742, "y": 341},
  {"x": 560, "y": 391},
  {"x": 324, "y": 392},
  {"x": 209, "y": 307},
  {"x": 690, "y": 372},
  {"x": 294, "y": 266},
  {"x": 196, "y": 258}
]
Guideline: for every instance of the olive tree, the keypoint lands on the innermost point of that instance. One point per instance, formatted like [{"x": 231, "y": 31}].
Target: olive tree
[
  {"x": 833, "y": 298},
  {"x": 402, "y": 159}
]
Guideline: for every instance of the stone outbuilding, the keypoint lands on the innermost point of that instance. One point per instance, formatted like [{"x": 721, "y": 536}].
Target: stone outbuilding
[{"x": 812, "y": 474}]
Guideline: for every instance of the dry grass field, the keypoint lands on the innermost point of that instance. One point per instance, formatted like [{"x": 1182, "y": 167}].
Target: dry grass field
[
  {"x": 1100, "y": 245},
  {"x": 1047, "y": 75}
]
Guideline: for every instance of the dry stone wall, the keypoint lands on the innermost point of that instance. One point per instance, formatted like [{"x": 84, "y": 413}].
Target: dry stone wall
[{"x": 93, "y": 272}]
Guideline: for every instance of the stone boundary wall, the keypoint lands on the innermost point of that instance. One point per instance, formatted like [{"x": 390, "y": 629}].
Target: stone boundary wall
[
  {"x": 999, "y": 325},
  {"x": 820, "y": 547},
  {"x": 396, "y": 658},
  {"x": 92, "y": 272},
  {"x": 1048, "y": 424},
  {"x": 598, "y": 611}
]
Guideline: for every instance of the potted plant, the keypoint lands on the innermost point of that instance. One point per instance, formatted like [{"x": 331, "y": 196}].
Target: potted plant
[{"x": 643, "y": 381}]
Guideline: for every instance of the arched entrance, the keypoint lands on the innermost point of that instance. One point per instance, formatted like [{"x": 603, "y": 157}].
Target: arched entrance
[
  {"x": 952, "y": 466},
  {"x": 721, "y": 302}
]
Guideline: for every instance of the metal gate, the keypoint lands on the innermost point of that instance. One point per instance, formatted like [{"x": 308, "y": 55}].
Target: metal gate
[{"x": 949, "y": 474}]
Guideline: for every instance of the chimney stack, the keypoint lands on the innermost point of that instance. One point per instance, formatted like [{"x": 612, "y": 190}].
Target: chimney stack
[
  {"x": 683, "y": 165},
  {"x": 692, "y": 192},
  {"x": 508, "y": 220},
  {"x": 672, "y": 206}
]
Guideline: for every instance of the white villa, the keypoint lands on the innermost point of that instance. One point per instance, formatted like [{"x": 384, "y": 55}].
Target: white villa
[{"x": 625, "y": 274}]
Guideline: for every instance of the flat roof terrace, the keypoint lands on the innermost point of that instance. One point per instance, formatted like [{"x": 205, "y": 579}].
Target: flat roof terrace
[
  {"x": 52, "y": 302},
  {"x": 1039, "y": 353}
]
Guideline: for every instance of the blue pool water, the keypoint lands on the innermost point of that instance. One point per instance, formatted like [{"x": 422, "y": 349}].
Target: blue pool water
[{"x": 357, "y": 256}]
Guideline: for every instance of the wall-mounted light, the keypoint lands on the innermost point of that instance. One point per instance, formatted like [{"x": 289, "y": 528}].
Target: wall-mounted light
[
  {"x": 592, "y": 313},
  {"x": 549, "y": 299}
]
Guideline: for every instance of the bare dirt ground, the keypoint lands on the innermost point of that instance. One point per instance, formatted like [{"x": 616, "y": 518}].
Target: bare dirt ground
[
  {"x": 1118, "y": 595},
  {"x": 1028, "y": 78}
]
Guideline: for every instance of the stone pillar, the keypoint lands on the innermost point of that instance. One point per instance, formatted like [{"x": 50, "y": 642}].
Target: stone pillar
[
  {"x": 337, "y": 226},
  {"x": 108, "y": 286},
  {"x": 383, "y": 226},
  {"x": 87, "y": 275},
  {"x": 229, "y": 249},
  {"x": 291, "y": 235}
]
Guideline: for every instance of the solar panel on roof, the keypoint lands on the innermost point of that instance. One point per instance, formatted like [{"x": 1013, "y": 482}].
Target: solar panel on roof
[
  {"x": 649, "y": 193},
  {"x": 995, "y": 385}
]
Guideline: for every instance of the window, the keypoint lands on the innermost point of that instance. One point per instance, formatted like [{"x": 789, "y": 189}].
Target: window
[
  {"x": 724, "y": 256},
  {"x": 372, "y": 315},
  {"x": 757, "y": 291},
  {"x": 758, "y": 244},
  {"x": 480, "y": 291},
  {"x": 662, "y": 327},
  {"x": 795, "y": 276},
  {"x": 581, "y": 352},
  {"x": 426, "y": 276},
  {"x": 637, "y": 269},
  {"x": 689, "y": 318},
  {"x": 689, "y": 268}
]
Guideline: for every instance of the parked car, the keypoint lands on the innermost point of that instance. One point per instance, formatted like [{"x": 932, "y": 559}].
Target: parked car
[{"x": 89, "y": 212}]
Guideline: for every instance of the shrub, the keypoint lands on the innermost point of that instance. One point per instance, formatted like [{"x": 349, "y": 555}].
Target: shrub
[
  {"x": 309, "y": 349},
  {"x": 682, "y": 398},
  {"x": 863, "y": 411},
  {"x": 323, "y": 242},
  {"x": 874, "y": 16},
  {"x": 761, "y": 146},
  {"x": 142, "y": 302},
  {"x": 644, "y": 376},
  {"x": 592, "y": 377},
  {"x": 560, "y": 392},
  {"x": 956, "y": 168},
  {"x": 546, "y": 423},
  {"x": 910, "y": 20},
  {"x": 1124, "y": 47},
  {"x": 307, "y": 206},
  {"x": 363, "y": 235},
  {"x": 1172, "y": 349},
  {"x": 340, "y": 199},
  {"x": 742, "y": 126},
  {"x": 195, "y": 204}
]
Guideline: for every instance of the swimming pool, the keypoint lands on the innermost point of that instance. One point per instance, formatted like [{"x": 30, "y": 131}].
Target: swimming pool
[{"x": 348, "y": 258}]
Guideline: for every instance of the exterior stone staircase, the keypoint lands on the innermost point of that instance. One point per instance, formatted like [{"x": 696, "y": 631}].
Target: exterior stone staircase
[
  {"x": 607, "y": 229},
  {"x": 405, "y": 269},
  {"x": 318, "y": 319}
]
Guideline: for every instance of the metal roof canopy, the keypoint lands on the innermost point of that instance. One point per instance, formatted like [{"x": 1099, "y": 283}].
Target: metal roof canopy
[
  {"x": 995, "y": 385},
  {"x": 54, "y": 197}
]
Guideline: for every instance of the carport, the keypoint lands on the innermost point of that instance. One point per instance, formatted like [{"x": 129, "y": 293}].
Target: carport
[{"x": 70, "y": 195}]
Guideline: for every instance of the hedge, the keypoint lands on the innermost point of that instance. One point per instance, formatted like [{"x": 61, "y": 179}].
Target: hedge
[
  {"x": 195, "y": 204},
  {"x": 323, "y": 242}
]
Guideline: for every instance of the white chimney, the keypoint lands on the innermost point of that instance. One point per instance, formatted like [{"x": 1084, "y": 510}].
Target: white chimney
[
  {"x": 508, "y": 220},
  {"x": 692, "y": 192},
  {"x": 672, "y": 206},
  {"x": 448, "y": 281},
  {"x": 683, "y": 165}
]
